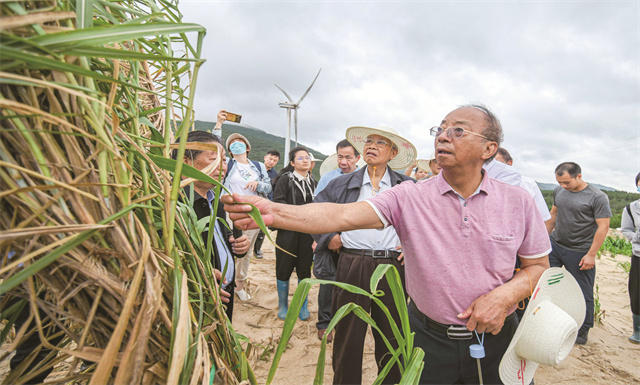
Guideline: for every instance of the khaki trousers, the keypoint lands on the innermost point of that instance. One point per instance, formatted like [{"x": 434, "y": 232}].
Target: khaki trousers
[
  {"x": 242, "y": 264},
  {"x": 348, "y": 343}
]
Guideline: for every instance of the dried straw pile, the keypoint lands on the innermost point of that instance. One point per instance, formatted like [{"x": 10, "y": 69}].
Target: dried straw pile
[{"x": 90, "y": 238}]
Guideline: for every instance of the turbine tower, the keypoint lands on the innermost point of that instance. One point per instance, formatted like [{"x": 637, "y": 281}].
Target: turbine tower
[{"x": 293, "y": 106}]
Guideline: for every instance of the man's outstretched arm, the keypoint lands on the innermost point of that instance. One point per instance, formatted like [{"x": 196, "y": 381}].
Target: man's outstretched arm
[{"x": 315, "y": 218}]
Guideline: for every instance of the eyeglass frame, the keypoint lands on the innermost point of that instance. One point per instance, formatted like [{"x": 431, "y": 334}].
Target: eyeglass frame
[
  {"x": 434, "y": 132},
  {"x": 387, "y": 142},
  {"x": 303, "y": 158}
]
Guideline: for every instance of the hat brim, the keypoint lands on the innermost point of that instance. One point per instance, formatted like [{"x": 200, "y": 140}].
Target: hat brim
[
  {"x": 423, "y": 165},
  {"x": 331, "y": 163},
  {"x": 237, "y": 136},
  {"x": 557, "y": 286},
  {"x": 407, "y": 152}
]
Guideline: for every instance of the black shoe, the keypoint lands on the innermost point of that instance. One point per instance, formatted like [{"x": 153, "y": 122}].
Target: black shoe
[
  {"x": 583, "y": 336},
  {"x": 259, "y": 254}
]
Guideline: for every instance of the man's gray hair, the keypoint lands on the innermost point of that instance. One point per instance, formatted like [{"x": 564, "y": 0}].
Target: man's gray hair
[{"x": 493, "y": 131}]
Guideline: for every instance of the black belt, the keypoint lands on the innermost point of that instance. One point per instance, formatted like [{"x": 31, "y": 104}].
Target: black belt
[
  {"x": 454, "y": 332},
  {"x": 373, "y": 253}
]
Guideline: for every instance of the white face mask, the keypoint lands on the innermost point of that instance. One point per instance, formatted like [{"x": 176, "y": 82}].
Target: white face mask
[{"x": 237, "y": 148}]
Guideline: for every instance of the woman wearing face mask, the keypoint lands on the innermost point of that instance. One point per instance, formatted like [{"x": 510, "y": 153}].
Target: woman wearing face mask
[
  {"x": 295, "y": 186},
  {"x": 631, "y": 230},
  {"x": 245, "y": 177}
]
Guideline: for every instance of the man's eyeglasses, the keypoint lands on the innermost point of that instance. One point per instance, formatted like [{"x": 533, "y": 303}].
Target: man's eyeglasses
[
  {"x": 378, "y": 143},
  {"x": 453, "y": 132},
  {"x": 303, "y": 158}
]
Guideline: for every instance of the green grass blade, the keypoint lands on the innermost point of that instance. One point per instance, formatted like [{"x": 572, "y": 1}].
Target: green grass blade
[
  {"x": 292, "y": 315},
  {"x": 84, "y": 13},
  {"x": 110, "y": 53},
  {"x": 34, "y": 61},
  {"x": 319, "y": 378},
  {"x": 409, "y": 365},
  {"x": 111, "y": 34},
  {"x": 190, "y": 172},
  {"x": 399, "y": 298},
  {"x": 385, "y": 371},
  {"x": 18, "y": 9},
  {"x": 414, "y": 368}
]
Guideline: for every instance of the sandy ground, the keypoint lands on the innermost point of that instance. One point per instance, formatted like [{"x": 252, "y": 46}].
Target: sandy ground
[{"x": 608, "y": 358}]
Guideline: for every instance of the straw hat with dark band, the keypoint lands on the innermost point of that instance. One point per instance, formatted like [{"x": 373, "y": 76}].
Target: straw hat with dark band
[
  {"x": 406, "y": 151},
  {"x": 548, "y": 328}
]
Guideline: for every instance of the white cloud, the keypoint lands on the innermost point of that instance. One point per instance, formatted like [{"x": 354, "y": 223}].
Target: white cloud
[{"x": 562, "y": 76}]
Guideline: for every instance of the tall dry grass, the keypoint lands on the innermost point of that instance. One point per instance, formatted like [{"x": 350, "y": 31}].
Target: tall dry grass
[{"x": 93, "y": 239}]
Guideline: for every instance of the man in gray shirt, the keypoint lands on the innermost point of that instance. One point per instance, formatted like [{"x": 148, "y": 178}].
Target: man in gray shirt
[{"x": 579, "y": 224}]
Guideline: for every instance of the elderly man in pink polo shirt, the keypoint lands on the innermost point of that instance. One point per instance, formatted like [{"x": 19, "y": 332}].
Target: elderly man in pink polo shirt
[{"x": 460, "y": 232}]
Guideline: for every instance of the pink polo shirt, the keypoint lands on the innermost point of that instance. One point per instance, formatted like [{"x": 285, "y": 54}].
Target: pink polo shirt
[{"x": 457, "y": 250}]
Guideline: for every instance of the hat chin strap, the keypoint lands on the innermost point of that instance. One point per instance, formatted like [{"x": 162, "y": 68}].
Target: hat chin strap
[
  {"x": 373, "y": 181},
  {"x": 547, "y": 336}
]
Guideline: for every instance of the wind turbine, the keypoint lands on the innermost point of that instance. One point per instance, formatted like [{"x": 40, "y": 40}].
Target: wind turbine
[{"x": 293, "y": 106}]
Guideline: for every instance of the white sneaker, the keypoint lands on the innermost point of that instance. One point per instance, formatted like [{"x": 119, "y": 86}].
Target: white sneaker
[{"x": 242, "y": 295}]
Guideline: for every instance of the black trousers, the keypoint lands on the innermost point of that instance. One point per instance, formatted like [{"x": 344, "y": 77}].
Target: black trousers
[
  {"x": 259, "y": 242},
  {"x": 325, "y": 298},
  {"x": 634, "y": 285},
  {"x": 229, "y": 306},
  {"x": 448, "y": 361},
  {"x": 298, "y": 244},
  {"x": 325, "y": 295},
  {"x": 586, "y": 278},
  {"x": 348, "y": 343}
]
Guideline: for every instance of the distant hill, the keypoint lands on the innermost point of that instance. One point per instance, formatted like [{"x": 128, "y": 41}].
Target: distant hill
[
  {"x": 261, "y": 142},
  {"x": 547, "y": 186},
  {"x": 552, "y": 186}
]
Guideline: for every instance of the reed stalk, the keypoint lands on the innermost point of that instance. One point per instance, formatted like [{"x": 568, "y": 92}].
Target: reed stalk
[{"x": 95, "y": 246}]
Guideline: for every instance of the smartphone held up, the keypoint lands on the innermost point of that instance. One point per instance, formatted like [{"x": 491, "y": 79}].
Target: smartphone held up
[{"x": 231, "y": 117}]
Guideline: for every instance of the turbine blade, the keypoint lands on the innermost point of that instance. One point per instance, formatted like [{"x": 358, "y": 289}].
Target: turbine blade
[
  {"x": 285, "y": 93},
  {"x": 309, "y": 89}
]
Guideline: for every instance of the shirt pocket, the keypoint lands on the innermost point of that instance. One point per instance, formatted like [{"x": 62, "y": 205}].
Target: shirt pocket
[
  {"x": 501, "y": 238},
  {"x": 503, "y": 250}
]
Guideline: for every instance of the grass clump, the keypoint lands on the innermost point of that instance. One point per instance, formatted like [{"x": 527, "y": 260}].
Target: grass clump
[
  {"x": 93, "y": 242},
  {"x": 408, "y": 357},
  {"x": 615, "y": 246}
]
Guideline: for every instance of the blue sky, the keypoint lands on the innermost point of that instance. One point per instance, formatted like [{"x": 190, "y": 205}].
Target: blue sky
[{"x": 563, "y": 77}]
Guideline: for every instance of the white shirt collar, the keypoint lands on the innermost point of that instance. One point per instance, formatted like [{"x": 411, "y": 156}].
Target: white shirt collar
[
  {"x": 299, "y": 176},
  {"x": 386, "y": 179}
]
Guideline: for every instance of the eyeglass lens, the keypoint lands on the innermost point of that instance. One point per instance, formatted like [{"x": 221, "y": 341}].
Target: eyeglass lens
[
  {"x": 377, "y": 142},
  {"x": 456, "y": 132}
]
